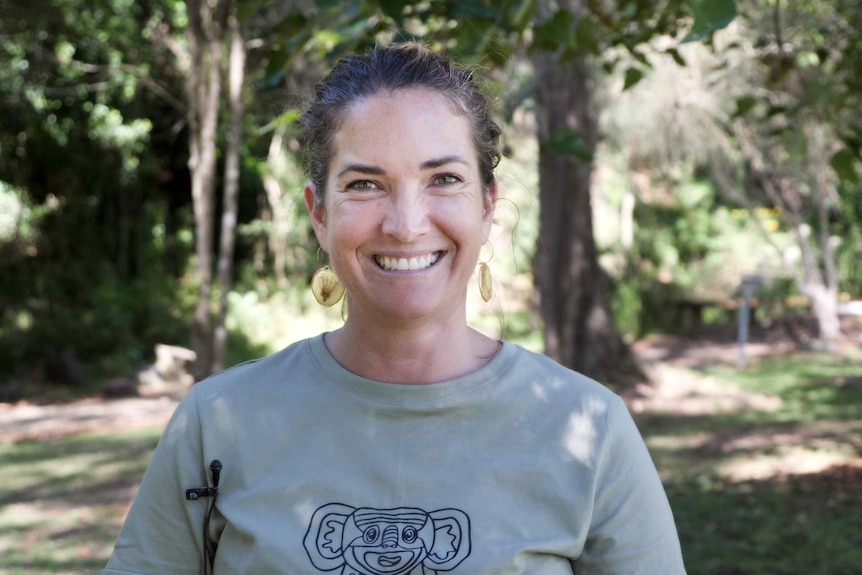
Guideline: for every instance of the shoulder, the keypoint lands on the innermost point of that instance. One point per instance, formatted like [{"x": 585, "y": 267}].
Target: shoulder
[
  {"x": 555, "y": 397},
  {"x": 545, "y": 373},
  {"x": 270, "y": 370}
]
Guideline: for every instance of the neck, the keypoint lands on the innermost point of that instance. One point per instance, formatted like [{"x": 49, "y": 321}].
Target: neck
[{"x": 410, "y": 355}]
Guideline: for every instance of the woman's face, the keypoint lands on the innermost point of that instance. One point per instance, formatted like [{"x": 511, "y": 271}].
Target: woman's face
[{"x": 404, "y": 214}]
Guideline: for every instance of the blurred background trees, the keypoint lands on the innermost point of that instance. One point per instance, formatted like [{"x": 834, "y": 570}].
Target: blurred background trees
[{"x": 150, "y": 173}]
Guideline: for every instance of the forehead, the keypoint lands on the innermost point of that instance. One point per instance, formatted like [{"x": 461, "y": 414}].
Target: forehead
[{"x": 407, "y": 122}]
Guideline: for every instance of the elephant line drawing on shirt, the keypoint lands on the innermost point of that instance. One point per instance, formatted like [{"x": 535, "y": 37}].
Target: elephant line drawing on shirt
[{"x": 398, "y": 541}]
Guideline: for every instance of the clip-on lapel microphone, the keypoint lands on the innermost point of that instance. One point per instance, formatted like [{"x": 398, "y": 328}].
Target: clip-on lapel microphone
[{"x": 196, "y": 493}]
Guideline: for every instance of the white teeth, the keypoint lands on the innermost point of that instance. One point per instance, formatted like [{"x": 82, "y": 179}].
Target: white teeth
[{"x": 414, "y": 263}]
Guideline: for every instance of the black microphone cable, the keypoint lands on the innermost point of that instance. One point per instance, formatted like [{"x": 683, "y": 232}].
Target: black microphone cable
[{"x": 211, "y": 493}]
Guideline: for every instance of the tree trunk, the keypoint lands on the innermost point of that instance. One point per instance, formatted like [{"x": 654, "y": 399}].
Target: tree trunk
[
  {"x": 819, "y": 275},
  {"x": 579, "y": 328},
  {"x": 203, "y": 88},
  {"x": 236, "y": 82},
  {"x": 275, "y": 196},
  {"x": 824, "y": 304},
  {"x": 818, "y": 284}
]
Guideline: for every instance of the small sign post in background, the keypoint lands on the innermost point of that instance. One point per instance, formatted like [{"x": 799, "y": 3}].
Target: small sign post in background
[{"x": 749, "y": 286}]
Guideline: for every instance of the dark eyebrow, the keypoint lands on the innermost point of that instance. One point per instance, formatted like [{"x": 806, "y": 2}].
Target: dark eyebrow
[
  {"x": 427, "y": 165},
  {"x": 437, "y": 162},
  {"x": 362, "y": 169}
]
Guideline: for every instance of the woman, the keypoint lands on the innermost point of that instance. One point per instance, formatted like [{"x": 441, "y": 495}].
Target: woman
[{"x": 404, "y": 442}]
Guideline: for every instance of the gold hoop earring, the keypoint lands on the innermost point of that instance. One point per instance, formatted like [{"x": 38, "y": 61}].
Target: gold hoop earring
[
  {"x": 486, "y": 289},
  {"x": 326, "y": 287}
]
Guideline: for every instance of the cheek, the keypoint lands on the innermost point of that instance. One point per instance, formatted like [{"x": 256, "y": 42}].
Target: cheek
[
  {"x": 464, "y": 223},
  {"x": 347, "y": 229}
]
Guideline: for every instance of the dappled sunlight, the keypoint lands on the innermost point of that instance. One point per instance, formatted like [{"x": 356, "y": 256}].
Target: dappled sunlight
[
  {"x": 541, "y": 389},
  {"x": 579, "y": 439},
  {"x": 763, "y": 466},
  {"x": 305, "y": 509},
  {"x": 825, "y": 435},
  {"x": 78, "y": 540},
  {"x": 62, "y": 501},
  {"x": 682, "y": 391},
  {"x": 25, "y": 422},
  {"x": 736, "y": 452},
  {"x": 678, "y": 442},
  {"x": 765, "y": 453},
  {"x": 790, "y": 460}
]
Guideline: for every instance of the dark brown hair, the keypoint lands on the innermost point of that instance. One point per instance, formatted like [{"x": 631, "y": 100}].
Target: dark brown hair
[{"x": 401, "y": 66}]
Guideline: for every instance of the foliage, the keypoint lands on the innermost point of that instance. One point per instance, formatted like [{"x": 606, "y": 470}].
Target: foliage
[
  {"x": 84, "y": 262},
  {"x": 95, "y": 148},
  {"x": 848, "y": 229},
  {"x": 688, "y": 252},
  {"x": 764, "y": 135},
  {"x": 796, "y": 127}
]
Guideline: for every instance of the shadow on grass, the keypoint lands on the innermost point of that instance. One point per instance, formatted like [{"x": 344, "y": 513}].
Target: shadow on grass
[
  {"x": 773, "y": 491},
  {"x": 62, "y": 502},
  {"x": 798, "y": 524},
  {"x": 76, "y": 469}
]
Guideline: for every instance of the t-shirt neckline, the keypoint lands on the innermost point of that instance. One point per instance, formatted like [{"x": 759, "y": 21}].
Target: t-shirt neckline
[{"x": 403, "y": 393}]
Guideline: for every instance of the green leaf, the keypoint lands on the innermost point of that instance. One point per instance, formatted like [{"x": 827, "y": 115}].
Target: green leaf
[
  {"x": 677, "y": 57},
  {"x": 776, "y": 110},
  {"x": 472, "y": 10},
  {"x": 394, "y": 9},
  {"x": 795, "y": 143},
  {"x": 587, "y": 36},
  {"x": 291, "y": 25},
  {"x": 554, "y": 32},
  {"x": 709, "y": 16},
  {"x": 844, "y": 164},
  {"x": 498, "y": 53},
  {"x": 744, "y": 105},
  {"x": 569, "y": 142},
  {"x": 633, "y": 76},
  {"x": 471, "y": 36},
  {"x": 248, "y": 8},
  {"x": 521, "y": 15}
]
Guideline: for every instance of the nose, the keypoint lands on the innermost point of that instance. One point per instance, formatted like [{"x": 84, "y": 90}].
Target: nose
[
  {"x": 406, "y": 216},
  {"x": 390, "y": 537}
]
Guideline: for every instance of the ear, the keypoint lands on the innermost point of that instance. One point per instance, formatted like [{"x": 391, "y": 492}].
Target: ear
[
  {"x": 317, "y": 211},
  {"x": 490, "y": 199},
  {"x": 323, "y": 540},
  {"x": 451, "y": 539}
]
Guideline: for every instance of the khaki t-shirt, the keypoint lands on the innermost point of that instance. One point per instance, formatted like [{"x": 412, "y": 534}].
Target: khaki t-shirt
[{"x": 523, "y": 467}]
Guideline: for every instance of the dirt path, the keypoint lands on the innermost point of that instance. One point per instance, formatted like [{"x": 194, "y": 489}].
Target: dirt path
[
  {"x": 675, "y": 388},
  {"x": 24, "y": 422}
]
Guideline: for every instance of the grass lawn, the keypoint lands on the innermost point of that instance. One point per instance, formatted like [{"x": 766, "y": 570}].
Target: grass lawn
[
  {"x": 62, "y": 501},
  {"x": 770, "y": 487},
  {"x": 772, "y": 490}
]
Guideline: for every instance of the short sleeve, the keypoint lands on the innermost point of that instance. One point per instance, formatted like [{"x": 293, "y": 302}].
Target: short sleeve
[
  {"x": 632, "y": 530},
  {"x": 162, "y": 532}
]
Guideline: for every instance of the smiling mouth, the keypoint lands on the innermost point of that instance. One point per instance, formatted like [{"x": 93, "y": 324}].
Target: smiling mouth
[
  {"x": 413, "y": 263},
  {"x": 387, "y": 561}
]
